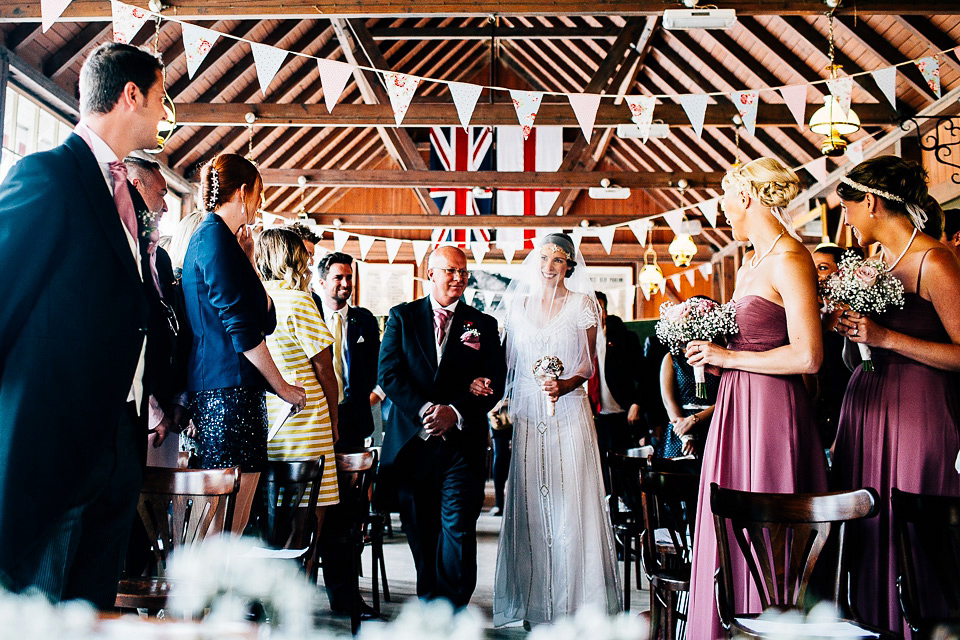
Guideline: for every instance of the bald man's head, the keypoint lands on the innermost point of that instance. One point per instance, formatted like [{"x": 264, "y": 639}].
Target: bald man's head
[{"x": 447, "y": 270}]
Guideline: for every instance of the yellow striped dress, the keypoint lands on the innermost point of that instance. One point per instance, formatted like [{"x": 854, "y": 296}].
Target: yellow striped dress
[{"x": 301, "y": 333}]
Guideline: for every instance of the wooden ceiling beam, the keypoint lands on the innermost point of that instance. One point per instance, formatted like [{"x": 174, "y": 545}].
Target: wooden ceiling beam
[
  {"x": 75, "y": 48},
  {"x": 245, "y": 29},
  {"x": 468, "y": 179},
  {"x": 790, "y": 59},
  {"x": 861, "y": 33},
  {"x": 366, "y": 54},
  {"x": 96, "y": 10},
  {"x": 500, "y": 33},
  {"x": 22, "y": 35},
  {"x": 931, "y": 36}
]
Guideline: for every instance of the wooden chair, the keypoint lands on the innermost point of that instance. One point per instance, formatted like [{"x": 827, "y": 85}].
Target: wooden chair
[
  {"x": 178, "y": 507},
  {"x": 669, "y": 515},
  {"x": 781, "y": 537},
  {"x": 287, "y": 525},
  {"x": 927, "y": 536},
  {"x": 625, "y": 481}
]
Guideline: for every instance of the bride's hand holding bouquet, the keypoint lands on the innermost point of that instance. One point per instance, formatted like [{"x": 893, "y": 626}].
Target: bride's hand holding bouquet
[{"x": 861, "y": 288}]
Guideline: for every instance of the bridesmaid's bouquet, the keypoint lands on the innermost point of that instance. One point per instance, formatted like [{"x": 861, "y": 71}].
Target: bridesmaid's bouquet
[
  {"x": 695, "y": 319},
  {"x": 865, "y": 286}
]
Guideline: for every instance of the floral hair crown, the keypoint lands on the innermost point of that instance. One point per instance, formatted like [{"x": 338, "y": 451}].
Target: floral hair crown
[
  {"x": 558, "y": 249},
  {"x": 214, "y": 189},
  {"x": 917, "y": 215}
]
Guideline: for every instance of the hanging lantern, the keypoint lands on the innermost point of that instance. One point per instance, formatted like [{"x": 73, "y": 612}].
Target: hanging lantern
[
  {"x": 682, "y": 249},
  {"x": 831, "y": 122},
  {"x": 651, "y": 276}
]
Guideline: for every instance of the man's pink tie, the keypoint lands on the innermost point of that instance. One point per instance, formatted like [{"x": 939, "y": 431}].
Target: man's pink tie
[
  {"x": 121, "y": 196},
  {"x": 440, "y": 318}
]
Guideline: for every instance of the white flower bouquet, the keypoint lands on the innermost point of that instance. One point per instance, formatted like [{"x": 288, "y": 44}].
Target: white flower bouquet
[
  {"x": 865, "y": 286},
  {"x": 548, "y": 368},
  {"x": 695, "y": 319}
]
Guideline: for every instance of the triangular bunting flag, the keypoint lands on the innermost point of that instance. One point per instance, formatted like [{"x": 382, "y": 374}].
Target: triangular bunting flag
[
  {"x": 401, "y": 88},
  {"x": 630, "y": 295},
  {"x": 334, "y": 76},
  {"x": 842, "y": 90},
  {"x": 127, "y": 20},
  {"x": 393, "y": 246},
  {"x": 340, "y": 239},
  {"x": 886, "y": 79},
  {"x": 479, "y": 249},
  {"x": 420, "y": 250},
  {"x": 930, "y": 68},
  {"x": 197, "y": 43},
  {"x": 50, "y": 10},
  {"x": 709, "y": 209},
  {"x": 641, "y": 112},
  {"x": 691, "y": 275},
  {"x": 585, "y": 107},
  {"x": 465, "y": 98},
  {"x": 746, "y": 103},
  {"x": 509, "y": 249},
  {"x": 855, "y": 152},
  {"x": 468, "y": 295},
  {"x": 606, "y": 237},
  {"x": 640, "y": 228},
  {"x": 675, "y": 220},
  {"x": 268, "y": 61},
  {"x": 818, "y": 168},
  {"x": 705, "y": 270},
  {"x": 675, "y": 279},
  {"x": 576, "y": 234},
  {"x": 796, "y": 99},
  {"x": 526, "y": 104},
  {"x": 365, "y": 243},
  {"x": 646, "y": 294},
  {"x": 695, "y": 106}
]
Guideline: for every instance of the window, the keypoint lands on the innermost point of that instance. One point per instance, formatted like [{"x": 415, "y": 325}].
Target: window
[{"x": 28, "y": 126}]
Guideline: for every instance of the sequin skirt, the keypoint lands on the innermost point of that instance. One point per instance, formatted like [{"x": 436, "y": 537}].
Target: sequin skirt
[{"x": 231, "y": 427}]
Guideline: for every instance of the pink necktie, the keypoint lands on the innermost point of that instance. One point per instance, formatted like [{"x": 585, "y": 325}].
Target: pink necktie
[
  {"x": 440, "y": 318},
  {"x": 121, "y": 196}
]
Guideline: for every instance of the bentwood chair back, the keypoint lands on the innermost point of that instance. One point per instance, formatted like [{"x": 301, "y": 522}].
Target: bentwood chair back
[
  {"x": 927, "y": 537},
  {"x": 287, "y": 524},
  {"x": 781, "y": 537},
  {"x": 178, "y": 508}
]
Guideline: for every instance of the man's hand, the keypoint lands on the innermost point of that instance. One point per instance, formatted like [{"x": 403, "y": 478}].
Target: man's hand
[
  {"x": 439, "y": 419},
  {"x": 633, "y": 415},
  {"x": 160, "y": 432},
  {"x": 481, "y": 387}
]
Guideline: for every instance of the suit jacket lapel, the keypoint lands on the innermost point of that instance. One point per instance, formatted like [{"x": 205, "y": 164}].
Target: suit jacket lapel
[
  {"x": 423, "y": 324},
  {"x": 101, "y": 201},
  {"x": 453, "y": 332}
]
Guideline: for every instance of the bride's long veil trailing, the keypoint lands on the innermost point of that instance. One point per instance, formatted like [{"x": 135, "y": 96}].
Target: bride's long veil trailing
[{"x": 531, "y": 302}]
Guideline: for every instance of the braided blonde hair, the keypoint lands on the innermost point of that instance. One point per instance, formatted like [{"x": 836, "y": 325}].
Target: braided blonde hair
[{"x": 771, "y": 183}]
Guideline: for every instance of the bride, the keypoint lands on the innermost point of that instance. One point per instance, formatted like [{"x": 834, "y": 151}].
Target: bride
[{"x": 556, "y": 550}]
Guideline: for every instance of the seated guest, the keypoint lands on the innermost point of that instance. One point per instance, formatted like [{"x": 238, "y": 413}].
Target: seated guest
[{"x": 951, "y": 230}]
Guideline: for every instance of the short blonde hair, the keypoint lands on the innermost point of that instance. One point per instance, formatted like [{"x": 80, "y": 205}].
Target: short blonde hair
[
  {"x": 181, "y": 238},
  {"x": 771, "y": 183},
  {"x": 281, "y": 255}
]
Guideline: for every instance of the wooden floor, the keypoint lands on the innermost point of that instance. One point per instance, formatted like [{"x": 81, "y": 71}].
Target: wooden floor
[{"x": 401, "y": 577}]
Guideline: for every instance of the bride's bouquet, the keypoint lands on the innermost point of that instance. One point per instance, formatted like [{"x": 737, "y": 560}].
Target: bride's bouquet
[
  {"x": 865, "y": 286},
  {"x": 695, "y": 319}
]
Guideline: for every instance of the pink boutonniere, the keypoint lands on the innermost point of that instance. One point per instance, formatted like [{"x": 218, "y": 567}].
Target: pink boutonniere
[{"x": 470, "y": 336}]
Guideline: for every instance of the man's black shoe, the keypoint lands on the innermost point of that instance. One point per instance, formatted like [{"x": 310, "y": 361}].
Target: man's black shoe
[{"x": 366, "y": 611}]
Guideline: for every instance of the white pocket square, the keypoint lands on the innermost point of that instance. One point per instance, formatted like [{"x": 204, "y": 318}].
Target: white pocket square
[{"x": 360, "y": 339}]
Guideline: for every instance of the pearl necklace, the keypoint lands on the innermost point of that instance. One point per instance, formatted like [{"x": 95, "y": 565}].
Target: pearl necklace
[
  {"x": 905, "y": 249},
  {"x": 754, "y": 261}
]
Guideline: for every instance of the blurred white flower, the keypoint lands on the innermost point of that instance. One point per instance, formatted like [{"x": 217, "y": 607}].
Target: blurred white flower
[
  {"x": 591, "y": 622},
  {"x": 434, "y": 620},
  {"x": 31, "y": 615}
]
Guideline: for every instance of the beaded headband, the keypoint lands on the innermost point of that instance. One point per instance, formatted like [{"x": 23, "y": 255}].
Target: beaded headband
[
  {"x": 214, "y": 189},
  {"x": 557, "y": 249},
  {"x": 917, "y": 215}
]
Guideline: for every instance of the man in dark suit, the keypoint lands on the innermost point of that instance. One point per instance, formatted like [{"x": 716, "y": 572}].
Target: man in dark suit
[
  {"x": 355, "y": 358},
  {"x": 613, "y": 389},
  {"x": 72, "y": 327},
  {"x": 355, "y": 351},
  {"x": 435, "y": 351}
]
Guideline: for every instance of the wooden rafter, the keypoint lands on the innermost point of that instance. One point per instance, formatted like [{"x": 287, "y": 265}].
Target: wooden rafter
[
  {"x": 22, "y": 35},
  {"x": 96, "y": 10},
  {"x": 932, "y": 37},
  {"x": 77, "y": 47},
  {"x": 786, "y": 55},
  {"x": 487, "y": 32}
]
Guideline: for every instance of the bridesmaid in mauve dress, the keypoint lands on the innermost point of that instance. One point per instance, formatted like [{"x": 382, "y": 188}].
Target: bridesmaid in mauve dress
[
  {"x": 763, "y": 436},
  {"x": 898, "y": 424}
]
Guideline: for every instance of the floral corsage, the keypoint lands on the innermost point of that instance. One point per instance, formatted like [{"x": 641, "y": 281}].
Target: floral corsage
[{"x": 470, "y": 336}]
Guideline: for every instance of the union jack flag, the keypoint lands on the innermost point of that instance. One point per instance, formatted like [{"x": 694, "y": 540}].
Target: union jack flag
[
  {"x": 541, "y": 150},
  {"x": 453, "y": 149}
]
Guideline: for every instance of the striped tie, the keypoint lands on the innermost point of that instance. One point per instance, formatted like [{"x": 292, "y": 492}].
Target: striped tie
[{"x": 338, "y": 352}]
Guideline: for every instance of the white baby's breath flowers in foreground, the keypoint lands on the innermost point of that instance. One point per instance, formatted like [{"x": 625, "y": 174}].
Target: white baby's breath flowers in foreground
[
  {"x": 227, "y": 574},
  {"x": 591, "y": 622},
  {"x": 420, "y": 620},
  {"x": 32, "y": 616}
]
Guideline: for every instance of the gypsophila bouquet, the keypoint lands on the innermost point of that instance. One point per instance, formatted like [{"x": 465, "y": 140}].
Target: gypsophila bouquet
[
  {"x": 695, "y": 319},
  {"x": 865, "y": 286}
]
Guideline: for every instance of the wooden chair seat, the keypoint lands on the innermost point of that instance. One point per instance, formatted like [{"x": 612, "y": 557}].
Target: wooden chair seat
[
  {"x": 672, "y": 579},
  {"x": 145, "y": 593}
]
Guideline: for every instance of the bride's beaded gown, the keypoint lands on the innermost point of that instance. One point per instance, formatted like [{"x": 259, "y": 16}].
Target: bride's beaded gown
[{"x": 556, "y": 550}]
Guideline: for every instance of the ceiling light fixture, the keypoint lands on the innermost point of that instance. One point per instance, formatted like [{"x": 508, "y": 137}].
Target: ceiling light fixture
[
  {"x": 608, "y": 191},
  {"x": 681, "y": 19},
  {"x": 683, "y": 248},
  {"x": 830, "y": 120},
  {"x": 651, "y": 275},
  {"x": 657, "y": 130}
]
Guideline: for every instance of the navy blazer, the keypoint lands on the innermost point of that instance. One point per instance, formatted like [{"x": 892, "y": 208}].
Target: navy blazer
[
  {"x": 72, "y": 323},
  {"x": 363, "y": 350},
  {"x": 411, "y": 376},
  {"x": 226, "y": 307}
]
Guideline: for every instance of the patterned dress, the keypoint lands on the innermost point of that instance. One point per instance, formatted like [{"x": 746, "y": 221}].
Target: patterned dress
[{"x": 301, "y": 334}]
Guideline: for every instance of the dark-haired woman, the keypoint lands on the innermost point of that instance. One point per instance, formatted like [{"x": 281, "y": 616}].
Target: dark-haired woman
[
  {"x": 898, "y": 425},
  {"x": 230, "y": 315}
]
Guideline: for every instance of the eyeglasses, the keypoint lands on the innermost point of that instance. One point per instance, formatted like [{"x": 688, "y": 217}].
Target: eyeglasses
[{"x": 463, "y": 273}]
